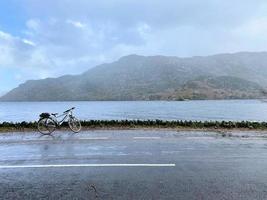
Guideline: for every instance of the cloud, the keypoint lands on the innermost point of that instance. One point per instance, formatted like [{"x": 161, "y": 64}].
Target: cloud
[
  {"x": 28, "y": 42},
  {"x": 5, "y": 36},
  {"x": 13, "y": 50},
  {"x": 33, "y": 24},
  {"x": 76, "y": 23}
]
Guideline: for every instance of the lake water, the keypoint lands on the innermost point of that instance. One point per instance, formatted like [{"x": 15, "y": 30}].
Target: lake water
[{"x": 237, "y": 110}]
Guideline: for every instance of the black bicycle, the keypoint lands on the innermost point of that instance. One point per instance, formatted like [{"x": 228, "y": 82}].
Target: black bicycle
[{"x": 48, "y": 122}]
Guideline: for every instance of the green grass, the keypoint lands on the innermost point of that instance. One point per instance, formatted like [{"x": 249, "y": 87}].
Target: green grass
[{"x": 23, "y": 126}]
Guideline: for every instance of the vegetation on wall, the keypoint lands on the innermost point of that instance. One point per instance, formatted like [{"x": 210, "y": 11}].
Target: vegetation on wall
[{"x": 10, "y": 126}]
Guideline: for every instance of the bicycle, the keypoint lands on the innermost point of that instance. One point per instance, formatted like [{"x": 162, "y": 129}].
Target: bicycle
[{"x": 48, "y": 122}]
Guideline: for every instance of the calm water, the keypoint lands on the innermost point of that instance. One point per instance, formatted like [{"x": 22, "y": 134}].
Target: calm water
[{"x": 237, "y": 110}]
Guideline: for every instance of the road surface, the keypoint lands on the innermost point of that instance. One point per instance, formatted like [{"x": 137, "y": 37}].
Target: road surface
[{"x": 133, "y": 164}]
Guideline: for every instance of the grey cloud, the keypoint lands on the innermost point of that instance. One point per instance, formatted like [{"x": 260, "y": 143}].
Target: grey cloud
[{"x": 157, "y": 13}]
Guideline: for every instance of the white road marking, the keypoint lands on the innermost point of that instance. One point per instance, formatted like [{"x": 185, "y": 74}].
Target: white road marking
[
  {"x": 85, "y": 165},
  {"x": 146, "y": 137}
]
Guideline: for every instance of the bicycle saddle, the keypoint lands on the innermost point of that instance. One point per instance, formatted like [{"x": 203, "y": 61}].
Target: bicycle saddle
[
  {"x": 44, "y": 115},
  {"x": 55, "y": 114}
]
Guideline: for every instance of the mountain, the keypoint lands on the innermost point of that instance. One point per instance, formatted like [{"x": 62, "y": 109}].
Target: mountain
[
  {"x": 134, "y": 77},
  {"x": 222, "y": 87}
]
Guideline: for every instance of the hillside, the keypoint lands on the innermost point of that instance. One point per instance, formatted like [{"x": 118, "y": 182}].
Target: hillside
[
  {"x": 222, "y": 87},
  {"x": 224, "y": 76}
]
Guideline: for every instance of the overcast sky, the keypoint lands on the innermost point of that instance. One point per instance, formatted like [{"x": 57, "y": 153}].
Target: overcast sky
[{"x": 49, "y": 38}]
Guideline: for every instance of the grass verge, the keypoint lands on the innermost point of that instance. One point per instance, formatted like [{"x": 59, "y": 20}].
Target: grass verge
[{"x": 121, "y": 124}]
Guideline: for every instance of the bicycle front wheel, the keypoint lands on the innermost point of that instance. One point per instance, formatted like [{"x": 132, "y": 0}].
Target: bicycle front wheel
[
  {"x": 74, "y": 124},
  {"x": 46, "y": 126}
]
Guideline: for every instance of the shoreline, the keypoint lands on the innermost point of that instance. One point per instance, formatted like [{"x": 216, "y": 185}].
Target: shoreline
[{"x": 218, "y": 126}]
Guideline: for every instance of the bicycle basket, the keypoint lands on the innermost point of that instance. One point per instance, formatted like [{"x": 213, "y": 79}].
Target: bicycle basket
[{"x": 44, "y": 115}]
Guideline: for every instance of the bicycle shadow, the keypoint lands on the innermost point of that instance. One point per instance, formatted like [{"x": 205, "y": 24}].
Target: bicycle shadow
[
  {"x": 52, "y": 137},
  {"x": 63, "y": 135}
]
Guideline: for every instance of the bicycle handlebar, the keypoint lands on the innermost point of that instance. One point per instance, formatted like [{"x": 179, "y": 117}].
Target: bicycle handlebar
[{"x": 69, "y": 110}]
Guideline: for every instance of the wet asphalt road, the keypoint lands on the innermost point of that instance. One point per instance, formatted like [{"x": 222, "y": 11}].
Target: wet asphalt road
[{"x": 207, "y": 165}]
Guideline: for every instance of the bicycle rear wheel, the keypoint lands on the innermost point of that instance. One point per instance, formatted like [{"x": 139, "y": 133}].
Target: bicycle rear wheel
[
  {"x": 74, "y": 124},
  {"x": 46, "y": 126}
]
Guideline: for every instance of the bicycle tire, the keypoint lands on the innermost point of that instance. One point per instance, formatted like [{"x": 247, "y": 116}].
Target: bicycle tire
[
  {"x": 46, "y": 126},
  {"x": 74, "y": 124}
]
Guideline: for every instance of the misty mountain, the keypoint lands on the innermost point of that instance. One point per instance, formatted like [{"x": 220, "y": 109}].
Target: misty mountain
[{"x": 134, "y": 77}]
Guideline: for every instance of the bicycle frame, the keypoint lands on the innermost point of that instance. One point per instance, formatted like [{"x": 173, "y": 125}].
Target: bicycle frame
[{"x": 66, "y": 115}]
